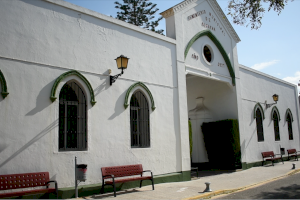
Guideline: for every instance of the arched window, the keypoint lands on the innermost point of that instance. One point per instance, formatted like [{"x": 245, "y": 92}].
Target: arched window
[
  {"x": 276, "y": 126},
  {"x": 290, "y": 128},
  {"x": 72, "y": 118},
  {"x": 139, "y": 121},
  {"x": 259, "y": 125}
]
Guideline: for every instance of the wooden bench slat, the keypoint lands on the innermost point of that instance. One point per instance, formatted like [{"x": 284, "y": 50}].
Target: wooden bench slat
[
  {"x": 129, "y": 179},
  {"x": 26, "y": 180},
  {"x": 22, "y": 193}
]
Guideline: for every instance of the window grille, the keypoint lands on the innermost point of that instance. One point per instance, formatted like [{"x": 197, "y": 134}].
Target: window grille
[
  {"x": 276, "y": 126},
  {"x": 139, "y": 121},
  {"x": 72, "y": 118},
  {"x": 290, "y": 128},
  {"x": 259, "y": 126}
]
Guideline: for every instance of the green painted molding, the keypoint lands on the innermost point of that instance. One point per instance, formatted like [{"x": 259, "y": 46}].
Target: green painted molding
[
  {"x": 289, "y": 112},
  {"x": 126, "y": 103},
  {"x": 275, "y": 109},
  {"x": 258, "y": 106},
  {"x": 3, "y": 85},
  {"x": 209, "y": 34},
  {"x": 70, "y": 73}
]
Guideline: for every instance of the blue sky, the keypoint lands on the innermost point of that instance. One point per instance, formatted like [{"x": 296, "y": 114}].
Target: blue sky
[{"x": 274, "y": 49}]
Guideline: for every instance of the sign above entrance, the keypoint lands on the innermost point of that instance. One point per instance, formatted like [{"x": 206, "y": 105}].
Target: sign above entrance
[
  {"x": 209, "y": 21},
  {"x": 196, "y": 14}
]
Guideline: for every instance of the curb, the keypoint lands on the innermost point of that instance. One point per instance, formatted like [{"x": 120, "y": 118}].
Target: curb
[{"x": 228, "y": 191}]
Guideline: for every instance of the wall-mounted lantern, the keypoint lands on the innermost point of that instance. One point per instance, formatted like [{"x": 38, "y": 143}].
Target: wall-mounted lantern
[
  {"x": 275, "y": 98},
  {"x": 122, "y": 63}
]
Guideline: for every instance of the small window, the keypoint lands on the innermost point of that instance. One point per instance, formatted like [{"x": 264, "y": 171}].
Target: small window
[
  {"x": 290, "y": 128},
  {"x": 207, "y": 53},
  {"x": 259, "y": 126},
  {"x": 139, "y": 121},
  {"x": 72, "y": 118},
  {"x": 276, "y": 126}
]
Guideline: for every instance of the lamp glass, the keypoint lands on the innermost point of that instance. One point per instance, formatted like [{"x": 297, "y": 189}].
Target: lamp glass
[
  {"x": 122, "y": 62},
  {"x": 275, "y": 97}
]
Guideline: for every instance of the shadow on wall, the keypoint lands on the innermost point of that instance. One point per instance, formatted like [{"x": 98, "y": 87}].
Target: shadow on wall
[
  {"x": 177, "y": 129},
  {"x": 42, "y": 100},
  {"x": 119, "y": 106},
  {"x": 33, "y": 140},
  {"x": 3, "y": 145},
  {"x": 254, "y": 132},
  {"x": 104, "y": 86}
]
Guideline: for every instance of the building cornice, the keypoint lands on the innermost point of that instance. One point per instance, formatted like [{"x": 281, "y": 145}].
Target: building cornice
[
  {"x": 228, "y": 25},
  {"x": 178, "y": 7},
  {"x": 168, "y": 13}
]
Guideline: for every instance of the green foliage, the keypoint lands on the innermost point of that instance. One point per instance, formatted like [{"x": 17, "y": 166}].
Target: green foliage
[
  {"x": 222, "y": 143},
  {"x": 242, "y": 10},
  {"x": 140, "y": 13},
  {"x": 191, "y": 138}
]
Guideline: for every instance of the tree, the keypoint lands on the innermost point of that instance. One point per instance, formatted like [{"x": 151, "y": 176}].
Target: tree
[
  {"x": 140, "y": 13},
  {"x": 242, "y": 10}
]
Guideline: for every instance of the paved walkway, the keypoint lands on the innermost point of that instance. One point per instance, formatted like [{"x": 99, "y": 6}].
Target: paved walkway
[{"x": 221, "y": 183}]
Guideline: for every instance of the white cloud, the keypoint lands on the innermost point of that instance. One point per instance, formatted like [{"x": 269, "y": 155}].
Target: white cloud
[
  {"x": 263, "y": 65},
  {"x": 294, "y": 79}
]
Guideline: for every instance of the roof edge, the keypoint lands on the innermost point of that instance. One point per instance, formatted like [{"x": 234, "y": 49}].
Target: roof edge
[
  {"x": 266, "y": 75},
  {"x": 103, "y": 17}
]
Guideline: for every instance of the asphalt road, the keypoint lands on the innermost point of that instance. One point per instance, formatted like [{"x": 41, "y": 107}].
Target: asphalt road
[{"x": 285, "y": 188}]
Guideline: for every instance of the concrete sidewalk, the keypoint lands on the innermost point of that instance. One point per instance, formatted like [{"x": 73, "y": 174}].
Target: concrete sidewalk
[{"x": 226, "y": 182}]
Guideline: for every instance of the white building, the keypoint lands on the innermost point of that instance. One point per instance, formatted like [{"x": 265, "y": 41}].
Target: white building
[{"x": 57, "y": 101}]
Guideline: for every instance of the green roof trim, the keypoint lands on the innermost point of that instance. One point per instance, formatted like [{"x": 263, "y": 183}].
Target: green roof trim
[
  {"x": 126, "y": 103},
  {"x": 71, "y": 73},
  {"x": 4, "y": 91},
  {"x": 289, "y": 112},
  {"x": 275, "y": 109},
  {"x": 258, "y": 106},
  {"x": 209, "y": 34}
]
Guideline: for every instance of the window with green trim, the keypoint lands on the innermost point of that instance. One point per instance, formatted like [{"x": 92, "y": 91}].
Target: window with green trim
[
  {"x": 290, "y": 128},
  {"x": 139, "y": 121},
  {"x": 259, "y": 126},
  {"x": 276, "y": 126},
  {"x": 72, "y": 118}
]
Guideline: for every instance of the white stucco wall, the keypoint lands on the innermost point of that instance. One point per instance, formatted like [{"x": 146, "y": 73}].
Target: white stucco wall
[
  {"x": 39, "y": 41},
  {"x": 257, "y": 87}
]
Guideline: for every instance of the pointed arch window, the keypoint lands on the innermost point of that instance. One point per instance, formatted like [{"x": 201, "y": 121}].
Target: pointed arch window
[
  {"x": 276, "y": 126},
  {"x": 258, "y": 114},
  {"x": 290, "y": 128},
  {"x": 139, "y": 121},
  {"x": 72, "y": 118}
]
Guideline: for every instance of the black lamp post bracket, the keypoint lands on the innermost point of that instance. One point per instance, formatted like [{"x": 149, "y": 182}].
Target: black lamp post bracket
[{"x": 115, "y": 77}]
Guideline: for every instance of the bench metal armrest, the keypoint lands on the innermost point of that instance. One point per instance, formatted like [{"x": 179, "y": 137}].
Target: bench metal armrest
[
  {"x": 147, "y": 171},
  {"x": 55, "y": 183},
  {"x": 110, "y": 176}
]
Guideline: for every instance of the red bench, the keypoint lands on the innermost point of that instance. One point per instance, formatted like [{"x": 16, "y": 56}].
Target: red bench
[
  {"x": 270, "y": 156},
  {"x": 292, "y": 152},
  {"x": 28, "y": 180},
  {"x": 112, "y": 173}
]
